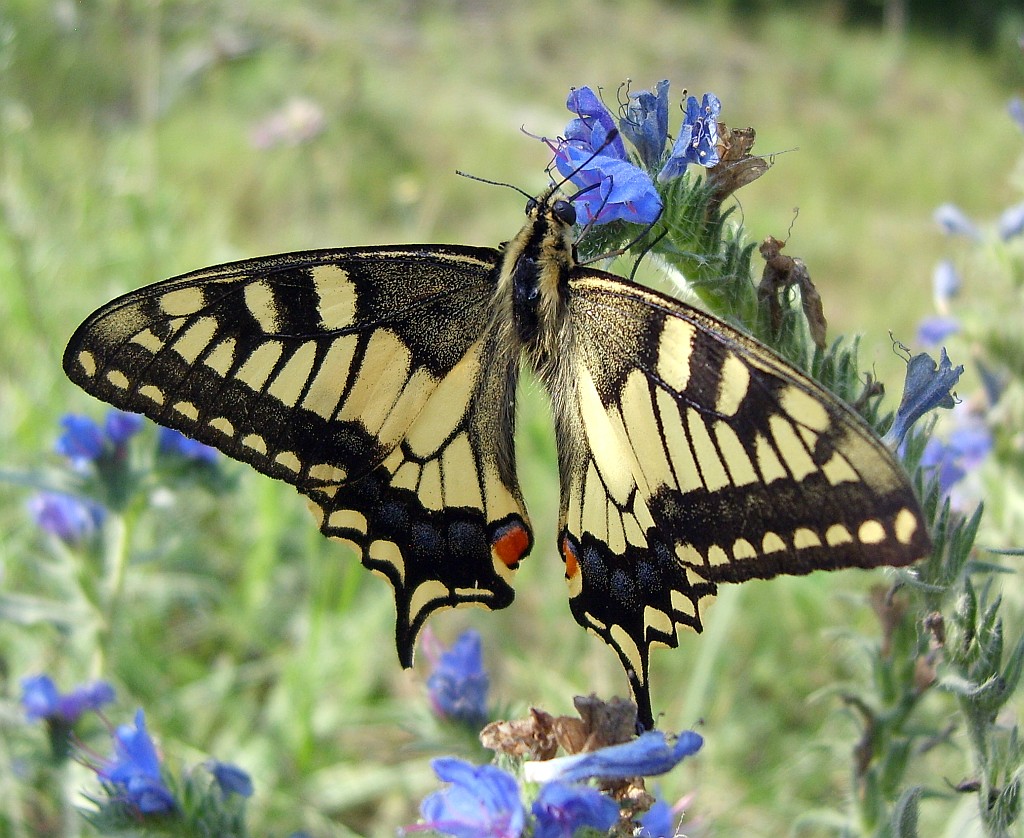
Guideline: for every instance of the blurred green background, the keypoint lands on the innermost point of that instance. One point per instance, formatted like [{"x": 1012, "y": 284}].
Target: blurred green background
[{"x": 144, "y": 138}]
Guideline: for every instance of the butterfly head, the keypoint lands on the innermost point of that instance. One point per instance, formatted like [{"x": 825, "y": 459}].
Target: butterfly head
[{"x": 553, "y": 207}]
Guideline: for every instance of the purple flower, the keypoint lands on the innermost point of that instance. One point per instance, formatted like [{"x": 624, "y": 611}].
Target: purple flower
[
  {"x": 481, "y": 802},
  {"x": 648, "y": 754},
  {"x": 42, "y": 700},
  {"x": 927, "y": 387},
  {"x": 458, "y": 684},
  {"x": 594, "y": 129},
  {"x": 610, "y": 189},
  {"x": 698, "y": 138},
  {"x": 934, "y": 330},
  {"x": 135, "y": 769},
  {"x": 561, "y": 809},
  {"x": 69, "y": 518},
  {"x": 1011, "y": 222},
  {"x": 120, "y": 426},
  {"x": 178, "y": 445},
  {"x": 230, "y": 778},
  {"x": 645, "y": 123},
  {"x": 954, "y": 222},
  {"x": 82, "y": 441},
  {"x": 657, "y": 822}
]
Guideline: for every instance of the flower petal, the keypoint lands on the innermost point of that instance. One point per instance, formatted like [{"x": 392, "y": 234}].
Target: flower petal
[
  {"x": 647, "y": 755},
  {"x": 614, "y": 189}
]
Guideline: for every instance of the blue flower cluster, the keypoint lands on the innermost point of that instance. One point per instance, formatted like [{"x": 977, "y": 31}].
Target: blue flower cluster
[
  {"x": 89, "y": 449},
  {"x": 457, "y": 685},
  {"x": 486, "y": 800},
  {"x": 42, "y": 700},
  {"x": 616, "y": 184},
  {"x": 135, "y": 770},
  {"x": 134, "y": 774}
]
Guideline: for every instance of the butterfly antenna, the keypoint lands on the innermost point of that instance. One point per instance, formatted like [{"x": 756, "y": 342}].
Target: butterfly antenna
[{"x": 493, "y": 182}]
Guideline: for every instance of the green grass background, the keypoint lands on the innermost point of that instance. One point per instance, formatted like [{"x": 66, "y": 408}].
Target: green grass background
[{"x": 121, "y": 164}]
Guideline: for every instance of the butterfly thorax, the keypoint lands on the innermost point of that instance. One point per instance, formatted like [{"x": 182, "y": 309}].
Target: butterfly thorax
[{"x": 535, "y": 279}]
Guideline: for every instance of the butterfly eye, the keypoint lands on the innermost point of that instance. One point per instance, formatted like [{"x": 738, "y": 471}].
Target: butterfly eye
[
  {"x": 564, "y": 212},
  {"x": 531, "y": 205}
]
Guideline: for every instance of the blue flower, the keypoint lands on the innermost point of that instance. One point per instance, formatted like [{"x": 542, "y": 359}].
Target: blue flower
[
  {"x": 135, "y": 769},
  {"x": 230, "y": 778},
  {"x": 645, "y": 123},
  {"x": 120, "y": 426},
  {"x": 561, "y": 809},
  {"x": 42, "y": 700},
  {"x": 610, "y": 189},
  {"x": 481, "y": 802},
  {"x": 934, "y": 330},
  {"x": 945, "y": 284},
  {"x": 964, "y": 451},
  {"x": 657, "y": 822},
  {"x": 82, "y": 441},
  {"x": 1011, "y": 222},
  {"x": 648, "y": 754},
  {"x": 458, "y": 684},
  {"x": 69, "y": 518},
  {"x": 594, "y": 158},
  {"x": 594, "y": 129},
  {"x": 178, "y": 445},
  {"x": 698, "y": 138},
  {"x": 927, "y": 387},
  {"x": 954, "y": 222}
]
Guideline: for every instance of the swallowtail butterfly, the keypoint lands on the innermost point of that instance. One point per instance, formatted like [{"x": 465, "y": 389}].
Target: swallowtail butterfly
[{"x": 381, "y": 383}]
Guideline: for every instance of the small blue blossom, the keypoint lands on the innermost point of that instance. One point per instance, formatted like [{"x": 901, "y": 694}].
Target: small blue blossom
[
  {"x": 42, "y": 700},
  {"x": 177, "y": 444},
  {"x": 230, "y": 778},
  {"x": 82, "y": 441},
  {"x": 647, "y": 755},
  {"x": 657, "y": 822},
  {"x": 954, "y": 222},
  {"x": 458, "y": 684},
  {"x": 120, "y": 426},
  {"x": 69, "y": 518},
  {"x": 561, "y": 809},
  {"x": 1011, "y": 222},
  {"x": 594, "y": 127},
  {"x": 698, "y": 138},
  {"x": 932, "y": 331},
  {"x": 927, "y": 387},
  {"x": 645, "y": 123},
  {"x": 481, "y": 802},
  {"x": 135, "y": 769},
  {"x": 946, "y": 284}
]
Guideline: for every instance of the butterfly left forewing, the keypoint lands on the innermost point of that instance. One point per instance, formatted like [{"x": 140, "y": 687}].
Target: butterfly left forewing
[
  {"x": 707, "y": 459},
  {"x": 372, "y": 379}
]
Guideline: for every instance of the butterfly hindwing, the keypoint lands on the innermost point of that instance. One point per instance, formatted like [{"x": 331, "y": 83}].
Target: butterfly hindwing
[
  {"x": 371, "y": 379},
  {"x": 707, "y": 459}
]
